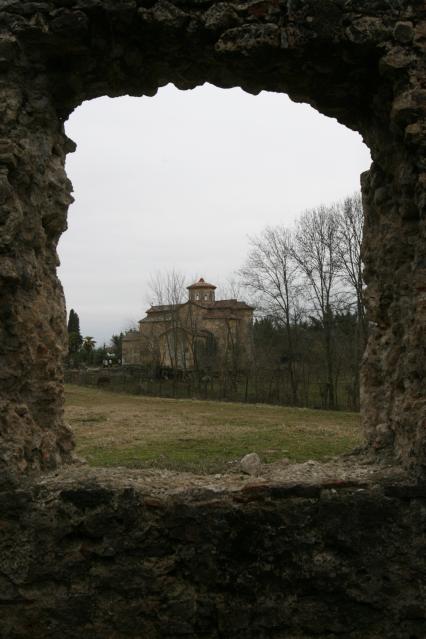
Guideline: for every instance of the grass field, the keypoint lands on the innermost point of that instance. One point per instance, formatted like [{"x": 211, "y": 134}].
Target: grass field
[{"x": 114, "y": 429}]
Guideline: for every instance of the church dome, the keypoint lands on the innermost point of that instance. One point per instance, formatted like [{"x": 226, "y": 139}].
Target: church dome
[
  {"x": 201, "y": 291},
  {"x": 201, "y": 284}
]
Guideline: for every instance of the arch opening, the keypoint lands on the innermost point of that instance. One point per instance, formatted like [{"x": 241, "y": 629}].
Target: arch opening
[
  {"x": 360, "y": 63},
  {"x": 250, "y": 162}
]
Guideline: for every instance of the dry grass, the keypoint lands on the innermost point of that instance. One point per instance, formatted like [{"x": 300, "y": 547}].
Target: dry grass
[{"x": 124, "y": 430}]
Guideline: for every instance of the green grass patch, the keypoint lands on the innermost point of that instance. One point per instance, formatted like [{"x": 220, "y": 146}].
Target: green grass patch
[{"x": 198, "y": 436}]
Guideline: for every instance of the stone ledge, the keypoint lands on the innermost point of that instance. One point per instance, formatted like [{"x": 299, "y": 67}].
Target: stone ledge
[{"x": 104, "y": 554}]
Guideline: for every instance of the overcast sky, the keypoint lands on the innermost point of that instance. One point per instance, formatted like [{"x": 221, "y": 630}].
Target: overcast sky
[{"x": 180, "y": 181}]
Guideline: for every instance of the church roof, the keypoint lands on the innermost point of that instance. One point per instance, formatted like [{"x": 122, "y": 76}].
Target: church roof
[
  {"x": 201, "y": 284},
  {"x": 163, "y": 308},
  {"x": 154, "y": 313},
  {"x": 232, "y": 303}
]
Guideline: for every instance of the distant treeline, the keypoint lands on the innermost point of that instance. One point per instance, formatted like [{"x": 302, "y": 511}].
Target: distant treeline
[
  {"x": 309, "y": 332},
  {"x": 307, "y": 286}
]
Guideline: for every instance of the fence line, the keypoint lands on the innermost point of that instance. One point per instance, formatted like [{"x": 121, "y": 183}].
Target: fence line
[{"x": 261, "y": 388}]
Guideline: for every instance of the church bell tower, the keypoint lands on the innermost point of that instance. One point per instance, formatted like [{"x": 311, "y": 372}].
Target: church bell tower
[{"x": 201, "y": 292}]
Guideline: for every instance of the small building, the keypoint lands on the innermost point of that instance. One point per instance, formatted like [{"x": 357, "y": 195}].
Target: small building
[{"x": 200, "y": 334}]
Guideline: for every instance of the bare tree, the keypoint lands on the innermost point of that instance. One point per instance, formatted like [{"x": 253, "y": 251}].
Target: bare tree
[
  {"x": 129, "y": 325},
  {"x": 231, "y": 288},
  {"x": 271, "y": 273},
  {"x": 315, "y": 251},
  {"x": 350, "y": 229},
  {"x": 168, "y": 290}
]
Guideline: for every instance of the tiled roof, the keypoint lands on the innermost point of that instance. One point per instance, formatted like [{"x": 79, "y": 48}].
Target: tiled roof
[
  {"x": 232, "y": 305},
  {"x": 155, "y": 317},
  {"x": 163, "y": 308},
  {"x": 201, "y": 284}
]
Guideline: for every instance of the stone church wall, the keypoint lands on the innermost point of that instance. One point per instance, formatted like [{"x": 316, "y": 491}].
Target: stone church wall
[
  {"x": 232, "y": 337},
  {"x": 131, "y": 349}
]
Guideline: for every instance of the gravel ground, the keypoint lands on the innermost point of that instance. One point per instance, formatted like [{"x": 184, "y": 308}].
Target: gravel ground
[{"x": 351, "y": 469}]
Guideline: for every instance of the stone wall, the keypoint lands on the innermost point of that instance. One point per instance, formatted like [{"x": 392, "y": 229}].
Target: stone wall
[
  {"x": 34, "y": 198},
  {"x": 85, "y": 557},
  {"x": 131, "y": 348},
  {"x": 361, "y": 61},
  {"x": 105, "y": 559}
]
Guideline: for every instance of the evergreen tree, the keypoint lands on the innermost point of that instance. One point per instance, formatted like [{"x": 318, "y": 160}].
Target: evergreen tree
[
  {"x": 73, "y": 322},
  {"x": 116, "y": 345},
  {"x": 75, "y": 339}
]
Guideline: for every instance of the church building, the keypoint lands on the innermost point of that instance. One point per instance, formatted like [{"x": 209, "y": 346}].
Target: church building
[{"x": 200, "y": 334}]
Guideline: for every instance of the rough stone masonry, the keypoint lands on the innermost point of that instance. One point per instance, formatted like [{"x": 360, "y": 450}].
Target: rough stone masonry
[
  {"x": 291, "y": 562},
  {"x": 103, "y": 556},
  {"x": 360, "y": 61}
]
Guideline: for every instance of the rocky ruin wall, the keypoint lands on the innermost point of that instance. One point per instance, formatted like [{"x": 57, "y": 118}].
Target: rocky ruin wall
[
  {"x": 360, "y": 61},
  {"x": 280, "y": 561},
  {"x": 105, "y": 560}
]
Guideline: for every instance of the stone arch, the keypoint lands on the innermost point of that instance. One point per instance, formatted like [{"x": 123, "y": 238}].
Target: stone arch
[{"x": 360, "y": 61}]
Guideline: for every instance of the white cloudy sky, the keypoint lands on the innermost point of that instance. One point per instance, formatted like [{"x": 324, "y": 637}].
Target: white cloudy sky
[{"x": 180, "y": 181}]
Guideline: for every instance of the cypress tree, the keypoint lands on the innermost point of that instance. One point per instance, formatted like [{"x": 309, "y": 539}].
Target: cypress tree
[
  {"x": 73, "y": 322},
  {"x": 75, "y": 339}
]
